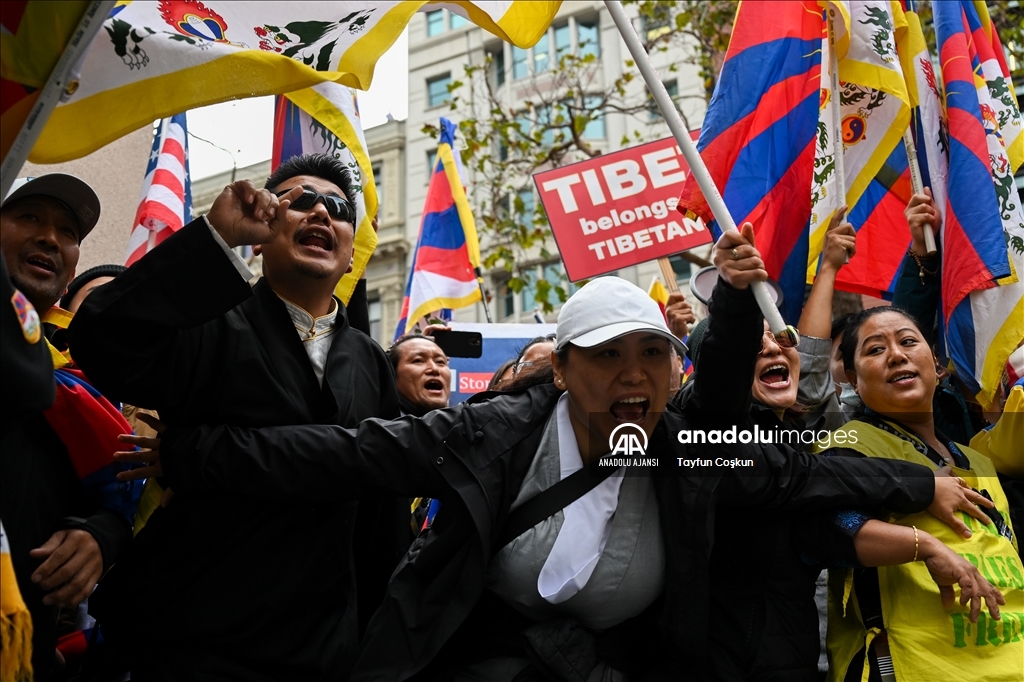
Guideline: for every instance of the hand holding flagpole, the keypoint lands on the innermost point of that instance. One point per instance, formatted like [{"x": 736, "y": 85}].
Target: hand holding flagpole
[
  {"x": 918, "y": 187},
  {"x": 786, "y": 334}
]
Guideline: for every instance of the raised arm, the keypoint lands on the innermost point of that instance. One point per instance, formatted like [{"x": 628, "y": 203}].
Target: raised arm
[
  {"x": 918, "y": 286},
  {"x": 816, "y": 390},
  {"x": 728, "y": 351},
  {"x": 136, "y": 336}
]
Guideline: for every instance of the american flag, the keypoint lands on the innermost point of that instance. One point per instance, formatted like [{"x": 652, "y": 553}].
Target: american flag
[{"x": 166, "y": 201}]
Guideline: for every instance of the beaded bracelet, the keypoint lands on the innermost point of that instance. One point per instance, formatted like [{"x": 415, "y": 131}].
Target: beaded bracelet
[{"x": 921, "y": 271}]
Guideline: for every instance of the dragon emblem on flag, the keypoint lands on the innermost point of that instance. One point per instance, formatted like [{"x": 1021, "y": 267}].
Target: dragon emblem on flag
[
  {"x": 882, "y": 40},
  {"x": 301, "y": 39}
]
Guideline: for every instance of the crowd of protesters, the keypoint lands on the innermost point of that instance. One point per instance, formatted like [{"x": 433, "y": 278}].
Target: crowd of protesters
[{"x": 214, "y": 476}]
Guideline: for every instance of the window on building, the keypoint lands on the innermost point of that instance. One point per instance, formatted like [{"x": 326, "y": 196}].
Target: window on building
[
  {"x": 435, "y": 23},
  {"x": 520, "y": 63},
  {"x": 547, "y": 133},
  {"x": 457, "y": 20},
  {"x": 376, "y": 320},
  {"x": 525, "y": 196},
  {"x": 653, "y": 112},
  {"x": 378, "y": 182},
  {"x": 681, "y": 267},
  {"x": 508, "y": 301},
  {"x": 563, "y": 41},
  {"x": 437, "y": 90},
  {"x": 498, "y": 66},
  {"x": 595, "y": 128},
  {"x": 586, "y": 34},
  {"x": 656, "y": 26},
  {"x": 541, "y": 58},
  {"x": 431, "y": 162}
]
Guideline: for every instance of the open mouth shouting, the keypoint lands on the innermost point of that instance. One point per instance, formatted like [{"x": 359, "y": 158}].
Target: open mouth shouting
[
  {"x": 775, "y": 376},
  {"x": 316, "y": 237},
  {"x": 434, "y": 387},
  {"x": 631, "y": 408}
]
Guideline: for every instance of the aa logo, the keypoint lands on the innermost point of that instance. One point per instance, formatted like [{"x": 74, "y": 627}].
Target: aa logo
[{"x": 629, "y": 440}]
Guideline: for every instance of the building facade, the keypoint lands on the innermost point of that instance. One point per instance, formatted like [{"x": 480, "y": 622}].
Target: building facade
[{"x": 442, "y": 44}]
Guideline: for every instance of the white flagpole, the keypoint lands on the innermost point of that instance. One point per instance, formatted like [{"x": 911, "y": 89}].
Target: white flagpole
[
  {"x": 697, "y": 168},
  {"x": 917, "y": 184},
  {"x": 95, "y": 14},
  {"x": 838, "y": 147}
]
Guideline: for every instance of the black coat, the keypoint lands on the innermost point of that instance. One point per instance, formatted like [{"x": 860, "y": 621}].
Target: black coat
[
  {"x": 218, "y": 586},
  {"x": 474, "y": 457}
]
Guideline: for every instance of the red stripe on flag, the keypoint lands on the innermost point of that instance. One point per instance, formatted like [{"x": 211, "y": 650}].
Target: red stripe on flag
[
  {"x": 965, "y": 273},
  {"x": 170, "y": 180},
  {"x": 774, "y": 21},
  {"x": 439, "y": 194},
  {"x": 174, "y": 148},
  {"x": 452, "y": 263}
]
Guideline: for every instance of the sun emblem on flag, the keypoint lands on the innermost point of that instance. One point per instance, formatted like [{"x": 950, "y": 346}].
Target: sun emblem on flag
[
  {"x": 194, "y": 19},
  {"x": 854, "y": 128}
]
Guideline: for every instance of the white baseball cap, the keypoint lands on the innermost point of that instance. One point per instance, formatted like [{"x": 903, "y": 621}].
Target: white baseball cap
[
  {"x": 607, "y": 308},
  {"x": 74, "y": 193}
]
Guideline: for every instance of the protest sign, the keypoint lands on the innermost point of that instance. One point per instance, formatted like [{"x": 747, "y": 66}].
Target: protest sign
[
  {"x": 619, "y": 209},
  {"x": 501, "y": 342}
]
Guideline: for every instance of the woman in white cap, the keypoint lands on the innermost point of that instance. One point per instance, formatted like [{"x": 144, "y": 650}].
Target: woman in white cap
[{"x": 542, "y": 565}]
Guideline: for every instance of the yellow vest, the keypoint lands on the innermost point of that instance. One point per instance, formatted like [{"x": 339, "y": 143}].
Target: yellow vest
[
  {"x": 1004, "y": 442},
  {"x": 928, "y": 642}
]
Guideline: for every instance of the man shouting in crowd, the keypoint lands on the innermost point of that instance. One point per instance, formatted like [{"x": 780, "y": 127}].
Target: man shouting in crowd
[{"x": 218, "y": 586}]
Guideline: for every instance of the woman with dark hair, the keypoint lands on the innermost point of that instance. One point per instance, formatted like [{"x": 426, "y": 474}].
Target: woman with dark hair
[
  {"x": 543, "y": 564},
  {"x": 894, "y": 612}
]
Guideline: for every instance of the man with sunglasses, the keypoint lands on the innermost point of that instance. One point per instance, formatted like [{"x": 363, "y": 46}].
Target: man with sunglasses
[{"x": 219, "y": 586}]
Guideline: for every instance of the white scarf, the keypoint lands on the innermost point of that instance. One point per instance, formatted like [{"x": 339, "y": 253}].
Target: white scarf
[{"x": 586, "y": 525}]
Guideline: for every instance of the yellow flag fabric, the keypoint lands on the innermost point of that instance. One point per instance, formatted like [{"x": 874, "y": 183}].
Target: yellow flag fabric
[
  {"x": 334, "y": 107},
  {"x": 930, "y": 643},
  {"x": 15, "y": 622},
  {"x": 875, "y": 108},
  {"x": 34, "y": 36},
  {"x": 156, "y": 59}
]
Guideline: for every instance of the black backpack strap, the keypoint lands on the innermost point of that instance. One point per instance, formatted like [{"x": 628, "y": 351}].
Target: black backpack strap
[{"x": 549, "y": 501}]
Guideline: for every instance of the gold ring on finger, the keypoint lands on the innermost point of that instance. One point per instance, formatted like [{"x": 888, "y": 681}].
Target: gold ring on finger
[{"x": 735, "y": 254}]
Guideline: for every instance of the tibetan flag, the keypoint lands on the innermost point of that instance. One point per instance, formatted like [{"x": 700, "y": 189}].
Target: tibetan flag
[
  {"x": 447, "y": 256},
  {"x": 659, "y": 293},
  {"x": 166, "y": 202},
  {"x": 874, "y": 112},
  {"x": 983, "y": 230},
  {"x": 931, "y": 132},
  {"x": 758, "y": 137},
  {"x": 305, "y": 123},
  {"x": 154, "y": 59},
  {"x": 35, "y": 34}
]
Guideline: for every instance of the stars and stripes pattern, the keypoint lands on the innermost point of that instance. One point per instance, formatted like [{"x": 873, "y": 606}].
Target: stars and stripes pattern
[{"x": 166, "y": 202}]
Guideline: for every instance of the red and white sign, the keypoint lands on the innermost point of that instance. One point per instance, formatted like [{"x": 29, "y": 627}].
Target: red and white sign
[{"x": 619, "y": 209}]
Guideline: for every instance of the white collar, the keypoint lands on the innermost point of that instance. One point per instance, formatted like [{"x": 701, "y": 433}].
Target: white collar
[{"x": 307, "y": 324}]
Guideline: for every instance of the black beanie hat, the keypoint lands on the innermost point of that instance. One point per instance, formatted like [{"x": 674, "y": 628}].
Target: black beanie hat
[{"x": 109, "y": 270}]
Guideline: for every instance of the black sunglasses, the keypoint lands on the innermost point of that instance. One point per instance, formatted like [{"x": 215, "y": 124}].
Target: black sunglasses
[{"x": 339, "y": 208}]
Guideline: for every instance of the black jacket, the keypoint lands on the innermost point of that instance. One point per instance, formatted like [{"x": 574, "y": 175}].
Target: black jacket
[
  {"x": 218, "y": 586},
  {"x": 474, "y": 457},
  {"x": 41, "y": 491}
]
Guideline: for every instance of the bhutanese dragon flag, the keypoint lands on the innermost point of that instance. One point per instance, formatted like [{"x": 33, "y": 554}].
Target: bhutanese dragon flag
[{"x": 875, "y": 110}]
